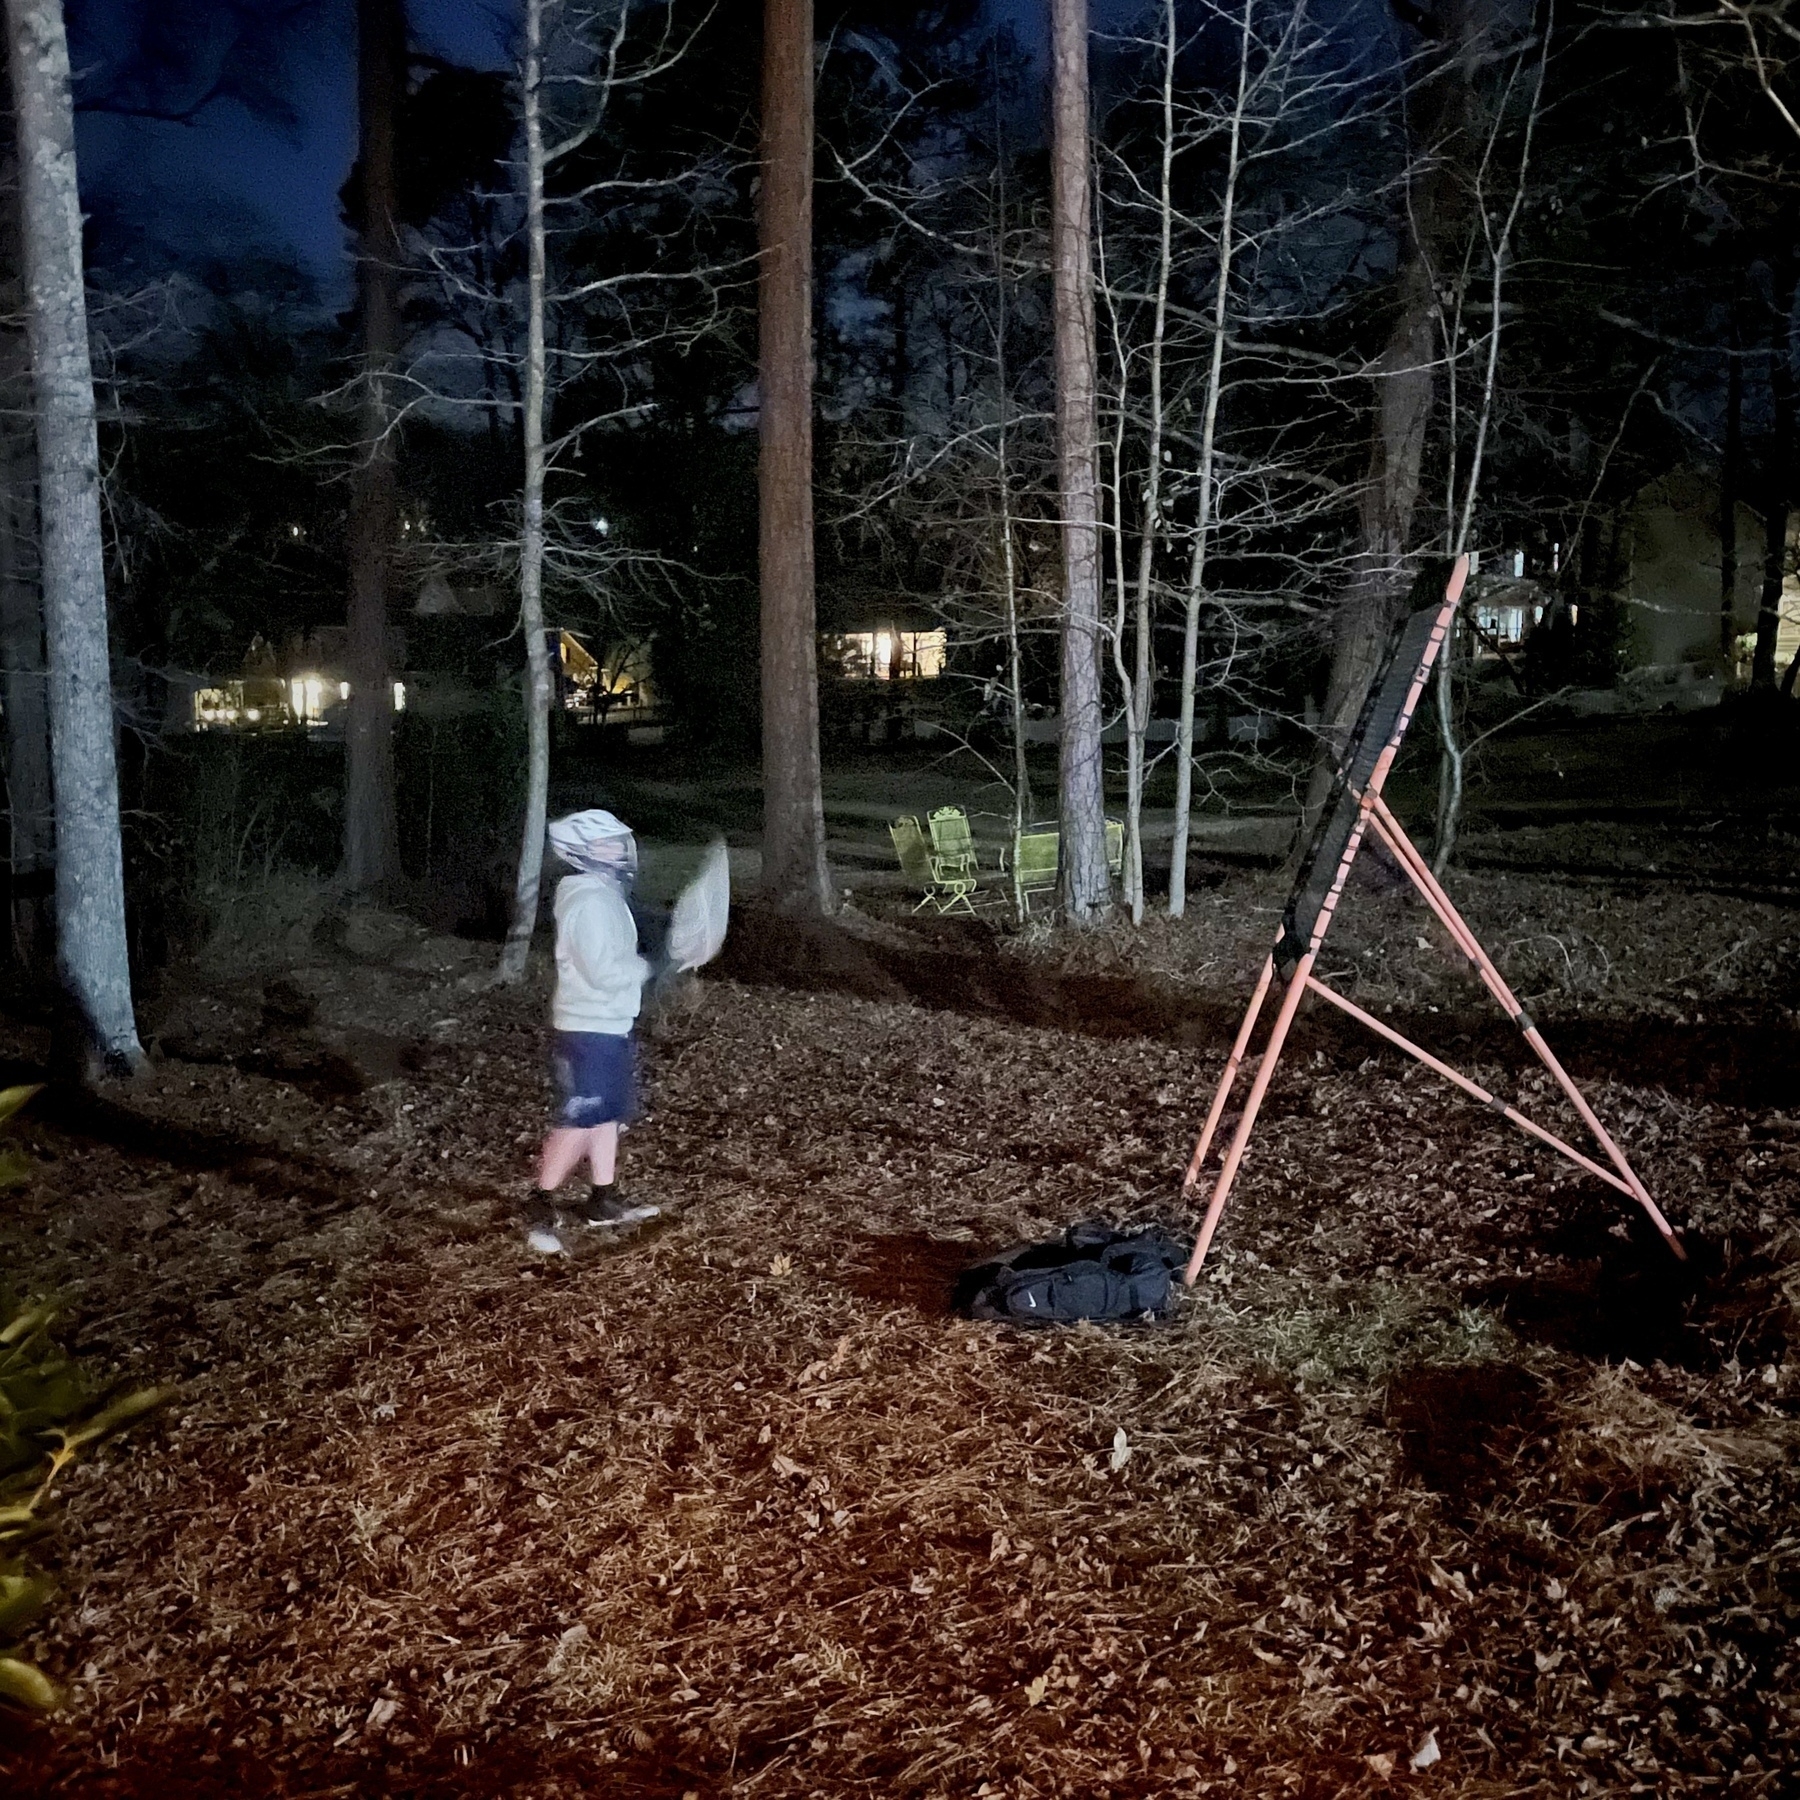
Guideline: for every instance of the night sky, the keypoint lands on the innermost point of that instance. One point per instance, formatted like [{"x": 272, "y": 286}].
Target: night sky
[{"x": 232, "y": 183}]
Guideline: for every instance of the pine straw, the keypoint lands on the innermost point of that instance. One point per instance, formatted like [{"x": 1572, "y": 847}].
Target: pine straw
[{"x": 735, "y": 1508}]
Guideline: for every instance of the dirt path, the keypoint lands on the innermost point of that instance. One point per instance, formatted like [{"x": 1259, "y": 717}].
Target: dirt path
[{"x": 737, "y": 1508}]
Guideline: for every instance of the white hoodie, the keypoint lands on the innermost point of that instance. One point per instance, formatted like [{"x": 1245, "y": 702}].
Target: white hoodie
[{"x": 599, "y": 975}]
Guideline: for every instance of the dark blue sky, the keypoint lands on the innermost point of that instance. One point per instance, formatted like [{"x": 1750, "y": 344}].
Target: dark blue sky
[{"x": 232, "y": 183}]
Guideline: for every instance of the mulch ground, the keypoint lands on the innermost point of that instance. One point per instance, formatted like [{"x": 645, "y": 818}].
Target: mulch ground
[{"x": 1444, "y": 1480}]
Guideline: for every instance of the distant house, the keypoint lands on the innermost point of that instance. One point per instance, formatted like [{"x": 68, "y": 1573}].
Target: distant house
[
  {"x": 882, "y": 665},
  {"x": 302, "y": 687},
  {"x": 612, "y": 687}
]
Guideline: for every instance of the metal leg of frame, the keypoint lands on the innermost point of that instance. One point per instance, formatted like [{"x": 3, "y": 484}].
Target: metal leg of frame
[
  {"x": 1473, "y": 1089},
  {"x": 1229, "y": 1078},
  {"x": 1240, "y": 1138},
  {"x": 1389, "y": 829}
]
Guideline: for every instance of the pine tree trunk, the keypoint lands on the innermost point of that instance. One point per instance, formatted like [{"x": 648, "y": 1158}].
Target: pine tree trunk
[
  {"x": 1086, "y": 890},
  {"x": 531, "y": 545},
  {"x": 371, "y": 822},
  {"x": 1406, "y": 387},
  {"x": 31, "y": 849},
  {"x": 1406, "y": 377},
  {"x": 90, "y": 870},
  {"x": 1776, "y": 504},
  {"x": 795, "y": 877},
  {"x": 1730, "y": 483}
]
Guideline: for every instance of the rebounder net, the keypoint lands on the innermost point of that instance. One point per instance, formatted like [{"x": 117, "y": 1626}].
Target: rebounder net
[{"x": 1385, "y": 716}]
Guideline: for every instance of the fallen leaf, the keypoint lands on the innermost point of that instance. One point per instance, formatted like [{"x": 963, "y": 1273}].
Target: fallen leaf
[
  {"x": 1036, "y": 1690},
  {"x": 1121, "y": 1450},
  {"x": 1427, "y": 1753},
  {"x": 782, "y": 1265},
  {"x": 1382, "y": 1764}
]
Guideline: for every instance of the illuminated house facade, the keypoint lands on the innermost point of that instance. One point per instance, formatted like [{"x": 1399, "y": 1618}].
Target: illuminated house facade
[{"x": 883, "y": 668}]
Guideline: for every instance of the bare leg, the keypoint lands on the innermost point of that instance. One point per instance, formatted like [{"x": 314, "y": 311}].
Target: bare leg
[
  {"x": 603, "y": 1152},
  {"x": 563, "y": 1149}
]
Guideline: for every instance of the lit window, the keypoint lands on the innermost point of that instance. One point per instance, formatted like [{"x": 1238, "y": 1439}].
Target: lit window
[
  {"x": 306, "y": 698},
  {"x": 399, "y": 696},
  {"x": 1504, "y": 625},
  {"x": 217, "y": 707},
  {"x": 343, "y": 690},
  {"x": 892, "y": 655}
]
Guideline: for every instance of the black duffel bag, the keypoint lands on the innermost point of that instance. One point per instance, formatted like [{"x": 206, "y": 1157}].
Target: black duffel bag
[{"x": 1093, "y": 1271}]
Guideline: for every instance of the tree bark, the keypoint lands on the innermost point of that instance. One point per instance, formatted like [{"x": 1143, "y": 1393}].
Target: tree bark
[
  {"x": 1086, "y": 890},
  {"x": 531, "y": 544},
  {"x": 31, "y": 850},
  {"x": 1405, "y": 376},
  {"x": 90, "y": 870},
  {"x": 1730, "y": 482},
  {"x": 1140, "y": 685},
  {"x": 1205, "y": 510},
  {"x": 1406, "y": 383},
  {"x": 1776, "y": 504},
  {"x": 795, "y": 877},
  {"x": 371, "y": 822}
]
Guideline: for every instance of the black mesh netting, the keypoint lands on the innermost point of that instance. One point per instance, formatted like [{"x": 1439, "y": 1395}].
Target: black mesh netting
[{"x": 1384, "y": 720}]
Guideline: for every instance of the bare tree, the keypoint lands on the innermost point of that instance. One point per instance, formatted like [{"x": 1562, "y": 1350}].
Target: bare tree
[
  {"x": 90, "y": 875},
  {"x": 1086, "y": 890},
  {"x": 1405, "y": 381},
  {"x": 531, "y": 540},
  {"x": 1205, "y": 475},
  {"x": 371, "y": 818},
  {"x": 1492, "y": 242},
  {"x": 578, "y": 57},
  {"x": 795, "y": 875}
]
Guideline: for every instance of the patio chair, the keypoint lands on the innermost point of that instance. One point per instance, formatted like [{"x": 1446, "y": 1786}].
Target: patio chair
[
  {"x": 944, "y": 887},
  {"x": 1034, "y": 865},
  {"x": 953, "y": 858},
  {"x": 1036, "y": 854}
]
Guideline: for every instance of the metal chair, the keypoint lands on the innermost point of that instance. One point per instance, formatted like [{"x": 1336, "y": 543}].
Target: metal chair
[
  {"x": 953, "y": 859},
  {"x": 1036, "y": 855},
  {"x": 945, "y": 886}
]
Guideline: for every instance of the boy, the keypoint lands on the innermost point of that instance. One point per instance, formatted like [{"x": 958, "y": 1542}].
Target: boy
[{"x": 599, "y": 989}]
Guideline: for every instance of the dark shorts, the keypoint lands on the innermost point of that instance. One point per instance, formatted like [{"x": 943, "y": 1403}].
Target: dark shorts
[{"x": 596, "y": 1078}]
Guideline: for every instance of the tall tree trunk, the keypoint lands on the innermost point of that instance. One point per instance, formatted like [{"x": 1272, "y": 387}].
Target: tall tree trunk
[
  {"x": 1138, "y": 681},
  {"x": 531, "y": 543},
  {"x": 1086, "y": 889},
  {"x": 1777, "y": 500},
  {"x": 371, "y": 823},
  {"x": 1405, "y": 376},
  {"x": 1731, "y": 467},
  {"x": 795, "y": 876},
  {"x": 1206, "y": 505},
  {"x": 31, "y": 850},
  {"x": 90, "y": 865},
  {"x": 1009, "y": 563}
]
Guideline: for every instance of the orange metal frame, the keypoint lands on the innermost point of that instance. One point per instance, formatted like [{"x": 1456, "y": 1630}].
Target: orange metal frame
[{"x": 1373, "y": 815}]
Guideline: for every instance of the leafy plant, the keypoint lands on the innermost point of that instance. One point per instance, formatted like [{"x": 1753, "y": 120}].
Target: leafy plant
[
  {"x": 50, "y": 1412},
  {"x": 15, "y": 1165}
]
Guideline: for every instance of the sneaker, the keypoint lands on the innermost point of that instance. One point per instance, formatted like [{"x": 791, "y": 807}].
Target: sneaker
[
  {"x": 545, "y": 1242},
  {"x": 605, "y": 1206}
]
